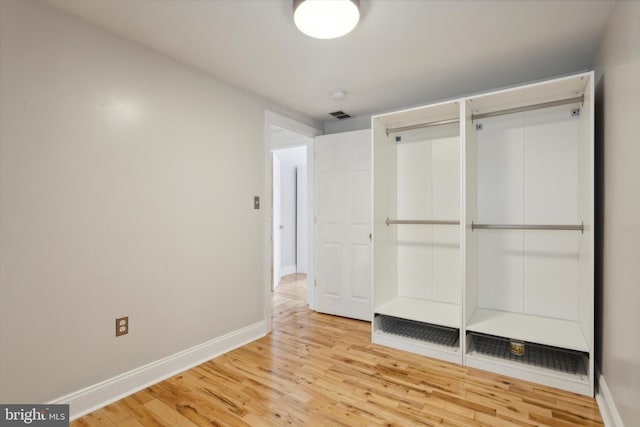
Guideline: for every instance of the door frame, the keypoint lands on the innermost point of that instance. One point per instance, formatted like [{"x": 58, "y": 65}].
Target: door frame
[
  {"x": 276, "y": 242},
  {"x": 271, "y": 118}
]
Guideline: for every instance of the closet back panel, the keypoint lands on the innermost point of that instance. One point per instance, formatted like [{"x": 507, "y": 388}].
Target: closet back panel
[
  {"x": 428, "y": 177},
  {"x": 550, "y": 157},
  {"x": 528, "y": 174},
  {"x": 550, "y": 196},
  {"x": 500, "y": 182}
]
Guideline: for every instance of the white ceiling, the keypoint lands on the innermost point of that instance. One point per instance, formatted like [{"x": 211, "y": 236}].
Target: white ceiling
[{"x": 403, "y": 52}]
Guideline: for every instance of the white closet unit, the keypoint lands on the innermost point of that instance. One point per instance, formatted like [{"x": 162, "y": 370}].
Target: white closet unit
[
  {"x": 483, "y": 216},
  {"x": 529, "y": 232},
  {"x": 417, "y": 255}
]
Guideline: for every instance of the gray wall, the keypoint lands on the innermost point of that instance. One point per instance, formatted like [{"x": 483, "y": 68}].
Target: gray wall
[
  {"x": 618, "y": 146},
  {"x": 126, "y": 188}
]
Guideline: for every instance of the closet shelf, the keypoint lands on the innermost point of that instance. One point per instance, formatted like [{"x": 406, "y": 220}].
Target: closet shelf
[
  {"x": 536, "y": 329},
  {"x": 422, "y": 221},
  {"x": 575, "y": 227},
  {"x": 420, "y": 310}
]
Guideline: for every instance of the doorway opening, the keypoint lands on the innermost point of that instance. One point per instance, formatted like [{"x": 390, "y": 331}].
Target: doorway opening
[
  {"x": 290, "y": 208},
  {"x": 281, "y": 135}
]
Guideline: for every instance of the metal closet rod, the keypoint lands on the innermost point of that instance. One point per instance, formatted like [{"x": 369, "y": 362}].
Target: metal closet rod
[
  {"x": 577, "y": 227},
  {"x": 474, "y": 117},
  {"x": 421, "y": 221},
  {"x": 421, "y": 125},
  {"x": 528, "y": 108}
]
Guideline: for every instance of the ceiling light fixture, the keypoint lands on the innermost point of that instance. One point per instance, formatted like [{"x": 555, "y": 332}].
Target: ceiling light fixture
[{"x": 326, "y": 19}]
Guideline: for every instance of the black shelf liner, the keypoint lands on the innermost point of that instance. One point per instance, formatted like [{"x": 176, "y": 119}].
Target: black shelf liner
[
  {"x": 428, "y": 332},
  {"x": 542, "y": 356}
]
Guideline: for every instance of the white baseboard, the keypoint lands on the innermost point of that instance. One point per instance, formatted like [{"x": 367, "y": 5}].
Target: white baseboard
[
  {"x": 98, "y": 395},
  {"x": 607, "y": 406},
  {"x": 290, "y": 269}
]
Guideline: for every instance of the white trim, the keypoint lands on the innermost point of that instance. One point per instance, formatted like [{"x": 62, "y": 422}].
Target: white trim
[
  {"x": 103, "y": 393},
  {"x": 607, "y": 405},
  {"x": 271, "y": 118}
]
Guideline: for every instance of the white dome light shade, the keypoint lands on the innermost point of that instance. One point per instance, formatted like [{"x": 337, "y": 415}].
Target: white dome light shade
[{"x": 326, "y": 19}]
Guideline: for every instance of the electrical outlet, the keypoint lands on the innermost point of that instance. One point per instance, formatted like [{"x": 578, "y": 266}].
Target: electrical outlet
[{"x": 122, "y": 326}]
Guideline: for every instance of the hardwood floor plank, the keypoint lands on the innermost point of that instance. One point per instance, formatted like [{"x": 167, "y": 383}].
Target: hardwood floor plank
[
  {"x": 167, "y": 415},
  {"x": 98, "y": 419},
  {"x": 320, "y": 370}
]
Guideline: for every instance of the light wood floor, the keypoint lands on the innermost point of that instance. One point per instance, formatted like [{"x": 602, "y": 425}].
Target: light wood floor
[{"x": 320, "y": 370}]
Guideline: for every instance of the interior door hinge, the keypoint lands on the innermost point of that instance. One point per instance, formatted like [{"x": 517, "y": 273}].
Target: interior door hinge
[{"x": 315, "y": 283}]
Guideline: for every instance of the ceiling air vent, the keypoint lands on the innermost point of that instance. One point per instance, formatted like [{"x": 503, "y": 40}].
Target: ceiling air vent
[{"x": 340, "y": 115}]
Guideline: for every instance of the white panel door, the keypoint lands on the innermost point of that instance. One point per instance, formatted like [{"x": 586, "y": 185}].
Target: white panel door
[{"x": 343, "y": 224}]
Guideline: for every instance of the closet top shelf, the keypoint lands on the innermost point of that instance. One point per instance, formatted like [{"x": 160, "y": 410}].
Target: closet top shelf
[{"x": 569, "y": 89}]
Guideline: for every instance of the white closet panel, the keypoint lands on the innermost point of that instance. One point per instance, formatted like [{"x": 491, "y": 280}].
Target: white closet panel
[
  {"x": 499, "y": 183},
  {"x": 415, "y": 251},
  {"x": 500, "y": 264},
  {"x": 550, "y": 195},
  {"x": 428, "y": 187},
  {"x": 415, "y": 264},
  {"x": 500, "y": 170},
  {"x": 528, "y": 175},
  {"x": 446, "y": 177},
  {"x": 550, "y": 166},
  {"x": 446, "y": 205},
  {"x": 551, "y": 268},
  {"x": 414, "y": 179},
  {"x": 446, "y": 264}
]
